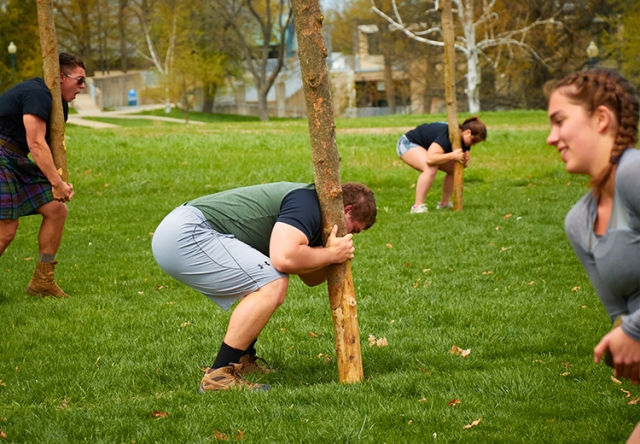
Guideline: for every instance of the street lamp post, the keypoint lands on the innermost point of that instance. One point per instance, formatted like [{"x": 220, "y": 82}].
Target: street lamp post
[
  {"x": 592, "y": 52},
  {"x": 12, "y": 52}
]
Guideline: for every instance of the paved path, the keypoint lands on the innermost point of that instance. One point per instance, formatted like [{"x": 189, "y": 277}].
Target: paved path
[{"x": 121, "y": 113}]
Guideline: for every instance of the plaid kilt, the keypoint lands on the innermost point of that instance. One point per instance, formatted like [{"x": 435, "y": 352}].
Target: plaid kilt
[{"x": 23, "y": 187}]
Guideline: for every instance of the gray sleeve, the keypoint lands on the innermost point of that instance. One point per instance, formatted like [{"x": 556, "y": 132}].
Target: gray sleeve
[
  {"x": 628, "y": 187},
  {"x": 578, "y": 227}
]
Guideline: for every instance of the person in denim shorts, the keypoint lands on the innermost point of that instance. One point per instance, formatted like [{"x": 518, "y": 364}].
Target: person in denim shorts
[{"x": 428, "y": 150}]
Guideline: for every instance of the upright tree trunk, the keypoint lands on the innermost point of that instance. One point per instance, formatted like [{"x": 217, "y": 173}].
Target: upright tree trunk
[
  {"x": 389, "y": 86},
  {"x": 209, "y": 97},
  {"x": 450, "y": 97},
  {"x": 49, "y": 44},
  {"x": 315, "y": 79},
  {"x": 122, "y": 28}
]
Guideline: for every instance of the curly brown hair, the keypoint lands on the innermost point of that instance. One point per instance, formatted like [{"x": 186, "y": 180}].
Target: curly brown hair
[
  {"x": 361, "y": 198},
  {"x": 605, "y": 87}
]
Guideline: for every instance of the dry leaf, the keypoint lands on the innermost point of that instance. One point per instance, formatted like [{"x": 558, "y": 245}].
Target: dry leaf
[
  {"x": 159, "y": 287},
  {"x": 64, "y": 405},
  {"x": 565, "y": 374},
  {"x": 314, "y": 335},
  {"x": 141, "y": 292},
  {"x": 455, "y": 350},
  {"x": 158, "y": 414},
  {"x": 426, "y": 270},
  {"x": 473, "y": 424},
  {"x": 28, "y": 258},
  {"x": 3, "y": 435},
  {"x": 382, "y": 342},
  {"x": 566, "y": 364},
  {"x": 634, "y": 401},
  {"x": 487, "y": 272},
  {"x": 219, "y": 435},
  {"x": 507, "y": 216},
  {"x": 422, "y": 400},
  {"x": 240, "y": 435},
  {"x": 410, "y": 422},
  {"x": 416, "y": 284},
  {"x": 539, "y": 361},
  {"x": 617, "y": 381},
  {"x": 531, "y": 283},
  {"x": 87, "y": 172},
  {"x": 184, "y": 324},
  {"x": 372, "y": 340},
  {"x": 506, "y": 248},
  {"x": 389, "y": 246},
  {"x": 454, "y": 402},
  {"x": 151, "y": 233},
  {"x": 407, "y": 265},
  {"x": 2, "y": 383},
  {"x": 575, "y": 289},
  {"x": 283, "y": 329},
  {"x": 628, "y": 393},
  {"x": 497, "y": 228}
]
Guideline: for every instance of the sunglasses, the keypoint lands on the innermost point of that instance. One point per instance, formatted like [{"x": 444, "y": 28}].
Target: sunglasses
[{"x": 80, "y": 80}]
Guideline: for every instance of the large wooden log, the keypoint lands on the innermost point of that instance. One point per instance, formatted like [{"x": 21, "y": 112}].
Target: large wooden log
[
  {"x": 450, "y": 97},
  {"x": 312, "y": 53},
  {"x": 49, "y": 44}
]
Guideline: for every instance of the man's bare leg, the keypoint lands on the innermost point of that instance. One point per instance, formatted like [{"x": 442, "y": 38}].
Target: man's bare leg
[{"x": 8, "y": 229}]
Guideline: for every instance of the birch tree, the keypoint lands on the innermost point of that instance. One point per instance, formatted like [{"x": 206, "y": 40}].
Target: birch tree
[{"x": 478, "y": 26}]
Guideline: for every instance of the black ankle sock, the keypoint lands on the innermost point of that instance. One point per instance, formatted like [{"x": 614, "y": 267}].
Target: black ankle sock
[
  {"x": 227, "y": 355},
  {"x": 251, "y": 350}
]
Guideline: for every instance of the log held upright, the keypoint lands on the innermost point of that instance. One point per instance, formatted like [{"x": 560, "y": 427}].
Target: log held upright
[
  {"x": 450, "y": 97},
  {"x": 49, "y": 44},
  {"x": 315, "y": 78}
]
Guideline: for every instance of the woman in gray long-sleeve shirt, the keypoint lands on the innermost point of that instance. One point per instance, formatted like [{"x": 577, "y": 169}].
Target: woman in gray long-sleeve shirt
[{"x": 594, "y": 125}]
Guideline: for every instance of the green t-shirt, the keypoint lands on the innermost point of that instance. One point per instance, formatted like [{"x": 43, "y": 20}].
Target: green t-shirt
[{"x": 248, "y": 213}]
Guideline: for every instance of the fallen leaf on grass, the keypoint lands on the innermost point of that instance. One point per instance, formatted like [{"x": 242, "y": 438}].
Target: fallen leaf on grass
[
  {"x": 326, "y": 358},
  {"x": 159, "y": 415},
  {"x": 314, "y": 335},
  {"x": 240, "y": 435},
  {"x": 64, "y": 405},
  {"x": 531, "y": 283},
  {"x": 487, "y": 272},
  {"x": 506, "y": 248},
  {"x": 473, "y": 424},
  {"x": 28, "y": 258},
  {"x": 389, "y": 246},
  {"x": 628, "y": 393},
  {"x": 566, "y": 364},
  {"x": 141, "y": 292},
  {"x": 3, "y": 435},
  {"x": 159, "y": 287},
  {"x": 634, "y": 401},
  {"x": 422, "y": 400},
  {"x": 219, "y": 435},
  {"x": 184, "y": 324},
  {"x": 565, "y": 374},
  {"x": 617, "y": 381},
  {"x": 151, "y": 233},
  {"x": 382, "y": 342},
  {"x": 575, "y": 289},
  {"x": 417, "y": 283},
  {"x": 454, "y": 402},
  {"x": 507, "y": 216},
  {"x": 407, "y": 265},
  {"x": 426, "y": 270},
  {"x": 455, "y": 350},
  {"x": 2, "y": 383},
  {"x": 539, "y": 361}
]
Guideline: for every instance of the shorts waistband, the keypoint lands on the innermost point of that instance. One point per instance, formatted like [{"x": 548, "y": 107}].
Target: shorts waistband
[{"x": 10, "y": 146}]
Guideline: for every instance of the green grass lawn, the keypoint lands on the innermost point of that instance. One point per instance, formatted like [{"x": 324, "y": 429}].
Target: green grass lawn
[{"x": 498, "y": 278}]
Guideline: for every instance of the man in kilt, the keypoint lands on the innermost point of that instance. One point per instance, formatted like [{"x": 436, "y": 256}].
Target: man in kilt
[{"x": 34, "y": 186}]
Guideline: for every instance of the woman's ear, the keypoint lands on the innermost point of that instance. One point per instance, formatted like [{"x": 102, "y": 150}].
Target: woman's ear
[{"x": 605, "y": 119}]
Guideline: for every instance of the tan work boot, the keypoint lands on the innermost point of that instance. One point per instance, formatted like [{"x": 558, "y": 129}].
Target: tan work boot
[
  {"x": 227, "y": 377},
  {"x": 250, "y": 364},
  {"x": 42, "y": 282}
]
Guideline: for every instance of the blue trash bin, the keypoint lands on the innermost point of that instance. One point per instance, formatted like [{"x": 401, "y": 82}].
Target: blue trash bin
[{"x": 132, "y": 97}]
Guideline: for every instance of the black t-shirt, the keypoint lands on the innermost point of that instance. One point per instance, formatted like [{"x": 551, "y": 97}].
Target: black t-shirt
[
  {"x": 301, "y": 209},
  {"x": 29, "y": 97},
  {"x": 428, "y": 133}
]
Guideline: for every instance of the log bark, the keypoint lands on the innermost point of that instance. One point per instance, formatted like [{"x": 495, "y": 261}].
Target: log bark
[
  {"x": 312, "y": 53},
  {"x": 49, "y": 44},
  {"x": 450, "y": 97}
]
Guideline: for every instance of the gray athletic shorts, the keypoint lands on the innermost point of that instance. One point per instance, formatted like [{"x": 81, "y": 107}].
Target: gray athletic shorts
[
  {"x": 217, "y": 265},
  {"x": 404, "y": 145}
]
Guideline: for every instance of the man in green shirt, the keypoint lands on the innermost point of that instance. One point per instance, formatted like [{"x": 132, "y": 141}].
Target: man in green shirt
[{"x": 244, "y": 244}]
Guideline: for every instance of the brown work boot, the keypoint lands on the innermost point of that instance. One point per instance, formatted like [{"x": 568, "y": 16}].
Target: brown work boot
[
  {"x": 250, "y": 364},
  {"x": 227, "y": 377},
  {"x": 42, "y": 282}
]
